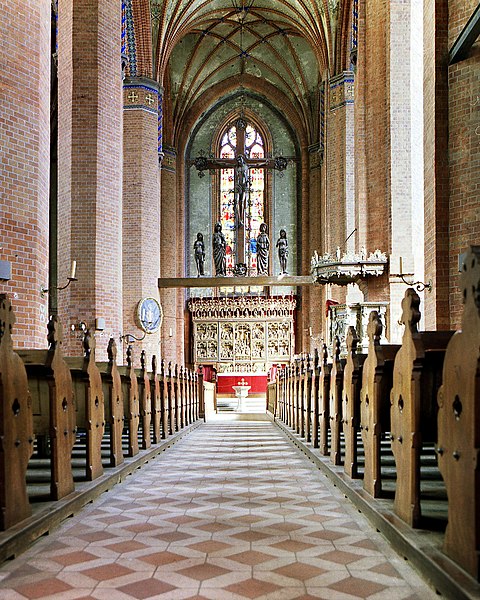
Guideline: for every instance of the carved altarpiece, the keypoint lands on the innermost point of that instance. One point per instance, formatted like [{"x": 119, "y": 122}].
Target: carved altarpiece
[{"x": 243, "y": 334}]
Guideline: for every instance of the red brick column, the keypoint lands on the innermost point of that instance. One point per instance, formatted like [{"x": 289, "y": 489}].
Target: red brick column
[
  {"x": 170, "y": 249},
  {"x": 314, "y": 294},
  {"x": 25, "y": 164},
  {"x": 463, "y": 152},
  {"x": 141, "y": 206},
  {"x": 90, "y": 165},
  {"x": 436, "y": 162}
]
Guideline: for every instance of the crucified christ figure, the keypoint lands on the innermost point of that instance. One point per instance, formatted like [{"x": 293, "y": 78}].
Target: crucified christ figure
[{"x": 242, "y": 186}]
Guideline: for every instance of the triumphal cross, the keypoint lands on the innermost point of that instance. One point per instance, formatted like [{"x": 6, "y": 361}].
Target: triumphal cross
[{"x": 241, "y": 162}]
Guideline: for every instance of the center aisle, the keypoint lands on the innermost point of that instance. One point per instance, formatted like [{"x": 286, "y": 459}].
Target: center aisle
[{"x": 232, "y": 511}]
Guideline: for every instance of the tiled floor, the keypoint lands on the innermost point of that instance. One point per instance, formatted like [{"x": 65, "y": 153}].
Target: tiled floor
[{"x": 232, "y": 511}]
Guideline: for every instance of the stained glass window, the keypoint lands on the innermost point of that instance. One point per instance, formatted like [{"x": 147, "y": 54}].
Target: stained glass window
[{"x": 249, "y": 143}]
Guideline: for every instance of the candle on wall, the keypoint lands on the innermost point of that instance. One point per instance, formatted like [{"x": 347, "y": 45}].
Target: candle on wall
[
  {"x": 73, "y": 270},
  {"x": 401, "y": 266}
]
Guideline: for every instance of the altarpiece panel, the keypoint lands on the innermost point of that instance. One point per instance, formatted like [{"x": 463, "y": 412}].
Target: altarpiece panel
[{"x": 243, "y": 334}]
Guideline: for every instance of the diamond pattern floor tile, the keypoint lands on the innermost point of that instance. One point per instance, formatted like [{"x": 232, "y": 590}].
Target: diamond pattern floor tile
[{"x": 230, "y": 512}]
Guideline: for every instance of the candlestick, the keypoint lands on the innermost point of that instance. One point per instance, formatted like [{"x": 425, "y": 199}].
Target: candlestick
[{"x": 73, "y": 270}]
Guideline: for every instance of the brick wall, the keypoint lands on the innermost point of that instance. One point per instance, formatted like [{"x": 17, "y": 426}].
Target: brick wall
[
  {"x": 25, "y": 163},
  {"x": 90, "y": 165},
  {"x": 463, "y": 151}
]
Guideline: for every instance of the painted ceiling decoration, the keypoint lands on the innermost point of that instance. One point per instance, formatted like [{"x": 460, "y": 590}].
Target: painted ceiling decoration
[{"x": 284, "y": 48}]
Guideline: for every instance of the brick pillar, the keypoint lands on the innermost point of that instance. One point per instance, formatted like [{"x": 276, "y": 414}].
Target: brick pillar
[
  {"x": 170, "y": 247},
  {"x": 25, "y": 163},
  {"x": 314, "y": 294},
  {"x": 141, "y": 207},
  {"x": 340, "y": 155},
  {"x": 90, "y": 166},
  {"x": 436, "y": 162},
  {"x": 406, "y": 147},
  {"x": 339, "y": 158}
]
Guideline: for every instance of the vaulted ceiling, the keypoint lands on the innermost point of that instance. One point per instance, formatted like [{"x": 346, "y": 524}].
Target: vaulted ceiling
[{"x": 281, "y": 49}]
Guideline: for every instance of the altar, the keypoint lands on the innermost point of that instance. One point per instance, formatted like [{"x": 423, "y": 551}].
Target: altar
[{"x": 243, "y": 335}]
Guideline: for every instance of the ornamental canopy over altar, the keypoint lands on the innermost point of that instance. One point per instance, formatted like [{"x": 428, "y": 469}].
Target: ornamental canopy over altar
[{"x": 242, "y": 334}]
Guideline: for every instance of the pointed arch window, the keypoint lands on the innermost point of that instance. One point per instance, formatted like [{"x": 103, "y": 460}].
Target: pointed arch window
[{"x": 242, "y": 139}]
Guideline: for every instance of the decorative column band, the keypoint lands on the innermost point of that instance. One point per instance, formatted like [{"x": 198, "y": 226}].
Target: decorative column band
[
  {"x": 341, "y": 90},
  {"x": 169, "y": 162},
  {"x": 141, "y": 93},
  {"x": 160, "y": 124},
  {"x": 130, "y": 43}
]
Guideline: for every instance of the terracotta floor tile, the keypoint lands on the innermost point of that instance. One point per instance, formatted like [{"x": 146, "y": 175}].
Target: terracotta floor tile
[
  {"x": 106, "y": 572},
  {"x": 44, "y": 588},
  {"x": 146, "y": 588},
  {"x": 231, "y": 511},
  {"x": 203, "y": 572},
  {"x": 359, "y": 588},
  {"x": 252, "y": 588},
  {"x": 251, "y": 557}
]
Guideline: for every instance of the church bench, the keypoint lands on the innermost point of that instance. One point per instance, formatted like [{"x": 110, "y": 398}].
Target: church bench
[
  {"x": 308, "y": 399},
  {"x": 89, "y": 403},
  {"x": 417, "y": 375},
  {"x": 458, "y": 440},
  {"x": 315, "y": 398},
  {"x": 156, "y": 402},
  {"x": 131, "y": 404},
  {"x": 114, "y": 406},
  {"x": 16, "y": 425},
  {"x": 53, "y": 408},
  {"x": 352, "y": 382},
  {"x": 335, "y": 406},
  {"x": 144, "y": 401},
  {"x": 324, "y": 402},
  {"x": 377, "y": 382}
]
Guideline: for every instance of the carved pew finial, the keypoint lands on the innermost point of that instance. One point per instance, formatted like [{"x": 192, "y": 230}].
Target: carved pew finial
[
  {"x": 112, "y": 350},
  {"x": 351, "y": 340},
  {"x": 374, "y": 329},
  {"x": 411, "y": 310}
]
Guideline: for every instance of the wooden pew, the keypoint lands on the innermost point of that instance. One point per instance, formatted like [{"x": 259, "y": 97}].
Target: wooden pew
[
  {"x": 308, "y": 399},
  {"x": 144, "y": 401},
  {"x": 315, "y": 399},
  {"x": 336, "y": 387},
  {"x": 53, "y": 407},
  {"x": 377, "y": 383},
  {"x": 16, "y": 425},
  {"x": 131, "y": 402},
  {"x": 416, "y": 378},
  {"x": 324, "y": 401},
  {"x": 163, "y": 400},
  {"x": 170, "y": 400},
  {"x": 176, "y": 399},
  {"x": 114, "y": 409},
  {"x": 155, "y": 396},
  {"x": 458, "y": 444},
  {"x": 352, "y": 381},
  {"x": 89, "y": 402}
]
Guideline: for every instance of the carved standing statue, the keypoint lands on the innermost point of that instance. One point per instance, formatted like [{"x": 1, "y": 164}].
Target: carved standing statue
[
  {"x": 282, "y": 245},
  {"x": 263, "y": 250},
  {"x": 219, "y": 251},
  {"x": 199, "y": 250}
]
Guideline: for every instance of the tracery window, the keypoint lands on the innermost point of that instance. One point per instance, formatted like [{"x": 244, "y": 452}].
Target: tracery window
[{"x": 249, "y": 142}]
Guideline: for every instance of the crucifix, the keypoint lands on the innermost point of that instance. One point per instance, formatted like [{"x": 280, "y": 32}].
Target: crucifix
[{"x": 241, "y": 163}]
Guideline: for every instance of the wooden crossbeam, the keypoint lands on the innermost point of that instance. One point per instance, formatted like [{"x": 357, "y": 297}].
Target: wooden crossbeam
[
  {"x": 222, "y": 282},
  {"x": 466, "y": 39}
]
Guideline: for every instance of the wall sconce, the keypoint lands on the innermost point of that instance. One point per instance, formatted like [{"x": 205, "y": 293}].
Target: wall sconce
[
  {"x": 44, "y": 290},
  {"x": 419, "y": 286},
  {"x": 129, "y": 338}
]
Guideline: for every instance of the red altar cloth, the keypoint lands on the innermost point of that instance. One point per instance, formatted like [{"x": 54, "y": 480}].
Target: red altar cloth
[{"x": 257, "y": 383}]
